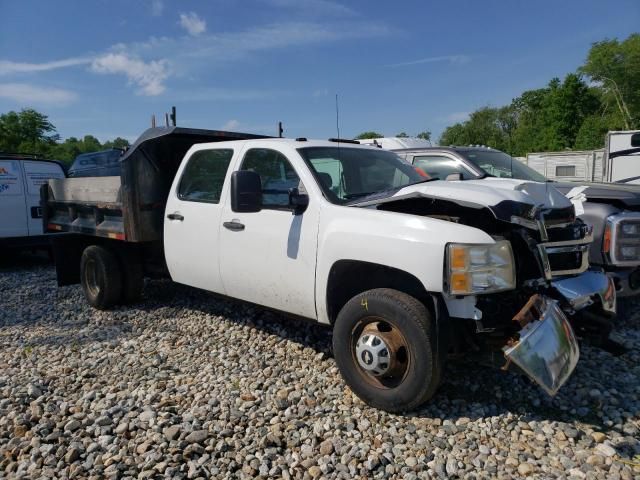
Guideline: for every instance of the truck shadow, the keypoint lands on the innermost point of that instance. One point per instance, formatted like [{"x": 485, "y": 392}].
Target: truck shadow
[{"x": 12, "y": 259}]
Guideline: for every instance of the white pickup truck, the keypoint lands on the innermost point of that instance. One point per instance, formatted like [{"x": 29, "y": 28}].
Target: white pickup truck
[{"x": 404, "y": 269}]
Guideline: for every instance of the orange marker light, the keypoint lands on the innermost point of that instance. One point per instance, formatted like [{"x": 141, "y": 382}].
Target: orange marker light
[
  {"x": 458, "y": 258},
  {"x": 459, "y": 283},
  {"x": 606, "y": 242}
]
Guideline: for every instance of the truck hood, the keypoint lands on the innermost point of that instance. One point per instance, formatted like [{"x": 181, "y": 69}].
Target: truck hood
[
  {"x": 503, "y": 197},
  {"x": 627, "y": 196}
]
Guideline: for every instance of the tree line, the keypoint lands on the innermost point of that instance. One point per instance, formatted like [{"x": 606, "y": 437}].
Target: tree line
[
  {"x": 574, "y": 113},
  {"x": 29, "y": 131}
]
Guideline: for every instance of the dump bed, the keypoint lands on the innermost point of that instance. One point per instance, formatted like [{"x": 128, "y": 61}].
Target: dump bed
[{"x": 129, "y": 207}]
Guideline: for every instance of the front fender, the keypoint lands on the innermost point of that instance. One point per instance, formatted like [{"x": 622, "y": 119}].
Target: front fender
[{"x": 410, "y": 243}]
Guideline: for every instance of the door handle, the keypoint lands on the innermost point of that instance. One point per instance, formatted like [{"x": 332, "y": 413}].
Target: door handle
[
  {"x": 234, "y": 226},
  {"x": 175, "y": 216}
]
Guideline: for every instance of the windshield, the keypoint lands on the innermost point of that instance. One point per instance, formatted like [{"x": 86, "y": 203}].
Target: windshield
[
  {"x": 499, "y": 164},
  {"x": 349, "y": 174}
]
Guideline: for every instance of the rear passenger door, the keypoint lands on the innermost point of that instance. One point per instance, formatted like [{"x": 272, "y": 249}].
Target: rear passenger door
[
  {"x": 13, "y": 221},
  {"x": 193, "y": 217}
]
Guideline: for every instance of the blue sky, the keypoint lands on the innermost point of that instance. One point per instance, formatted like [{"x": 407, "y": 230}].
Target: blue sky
[{"x": 103, "y": 67}]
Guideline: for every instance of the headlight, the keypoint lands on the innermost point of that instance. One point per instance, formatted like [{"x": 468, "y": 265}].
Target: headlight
[
  {"x": 621, "y": 240},
  {"x": 483, "y": 268}
]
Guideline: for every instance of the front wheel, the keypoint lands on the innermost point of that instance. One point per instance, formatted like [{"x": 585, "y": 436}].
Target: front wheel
[{"x": 385, "y": 348}]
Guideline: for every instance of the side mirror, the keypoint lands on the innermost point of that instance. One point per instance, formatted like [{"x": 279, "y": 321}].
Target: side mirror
[
  {"x": 246, "y": 191},
  {"x": 452, "y": 177},
  {"x": 298, "y": 201}
]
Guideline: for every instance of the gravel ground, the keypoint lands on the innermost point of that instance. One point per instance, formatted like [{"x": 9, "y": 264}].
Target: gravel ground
[{"x": 183, "y": 385}]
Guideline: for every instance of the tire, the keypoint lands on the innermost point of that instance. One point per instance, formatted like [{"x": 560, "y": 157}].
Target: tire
[
  {"x": 404, "y": 325},
  {"x": 132, "y": 276},
  {"x": 101, "y": 277}
]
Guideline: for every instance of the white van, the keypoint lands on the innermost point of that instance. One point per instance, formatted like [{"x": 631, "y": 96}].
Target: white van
[{"x": 20, "y": 214}]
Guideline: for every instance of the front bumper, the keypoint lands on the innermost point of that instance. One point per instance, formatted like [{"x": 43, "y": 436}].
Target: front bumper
[
  {"x": 627, "y": 281},
  {"x": 586, "y": 289},
  {"x": 547, "y": 350}
]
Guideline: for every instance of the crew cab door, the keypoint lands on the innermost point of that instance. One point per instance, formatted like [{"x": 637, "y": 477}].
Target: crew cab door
[
  {"x": 13, "y": 221},
  {"x": 193, "y": 216},
  {"x": 269, "y": 257}
]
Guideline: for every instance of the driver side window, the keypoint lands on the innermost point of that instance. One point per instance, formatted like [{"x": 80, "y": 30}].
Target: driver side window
[{"x": 276, "y": 173}]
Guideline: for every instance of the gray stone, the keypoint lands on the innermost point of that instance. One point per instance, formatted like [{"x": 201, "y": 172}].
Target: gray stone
[{"x": 197, "y": 436}]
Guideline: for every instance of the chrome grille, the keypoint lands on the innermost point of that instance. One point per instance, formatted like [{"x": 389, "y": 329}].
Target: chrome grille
[{"x": 566, "y": 257}]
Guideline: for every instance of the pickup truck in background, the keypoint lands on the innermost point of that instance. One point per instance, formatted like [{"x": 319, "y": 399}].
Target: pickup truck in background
[
  {"x": 405, "y": 270},
  {"x": 104, "y": 163},
  {"x": 612, "y": 209},
  {"x": 21, "y": 176}
]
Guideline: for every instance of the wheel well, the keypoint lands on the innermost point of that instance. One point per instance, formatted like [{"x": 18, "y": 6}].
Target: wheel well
[{"x": 347, "y": 278}]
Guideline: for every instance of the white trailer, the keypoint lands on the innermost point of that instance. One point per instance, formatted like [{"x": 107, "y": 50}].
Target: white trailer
[{"x": 617, "y": 162}]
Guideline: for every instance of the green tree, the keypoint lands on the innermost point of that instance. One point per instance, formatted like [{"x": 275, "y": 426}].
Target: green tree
[
  {"x": 550, "y": 118},
  {"x": 616, "y": 66},
  {"x": 26, "y": 131},
  {"x": 426, "y": 135},
  {"x": 456, "y": 134},
  {"x": 402, "y": 135},
  {"x": 118, "y": 142},
  {"x": 484, "y": 127},
  {"x": 369, "y": 134}
]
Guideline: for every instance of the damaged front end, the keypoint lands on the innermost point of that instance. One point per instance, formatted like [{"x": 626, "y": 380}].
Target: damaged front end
[{"x": 554, "y": 293}]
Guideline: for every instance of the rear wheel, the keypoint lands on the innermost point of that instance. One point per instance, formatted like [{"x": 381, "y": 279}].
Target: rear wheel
[
  {"x": 385, "y": 348},
  {"x": 100, "y": 276}
]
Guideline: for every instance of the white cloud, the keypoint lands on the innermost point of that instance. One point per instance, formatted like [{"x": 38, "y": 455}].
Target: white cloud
[
  {"x": 321, "y": 92},
  {"x": 231, "y": 125},
  {"x": 7, "y": 67},
  {"x": 451, "y": 59},
  {"x": 314, "y": 7},
  {"x": 29, "y": 95},
  {"x": 234, "y": 45},
  {"x": 182, "y": 54},
  {"x": 157, "y": 7},
  {"x": 148, "y": 76},
  {"x": 192, "y": 23}
]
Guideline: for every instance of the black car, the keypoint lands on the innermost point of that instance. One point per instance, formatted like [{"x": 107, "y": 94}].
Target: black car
[{"x": 612, "y": 209}]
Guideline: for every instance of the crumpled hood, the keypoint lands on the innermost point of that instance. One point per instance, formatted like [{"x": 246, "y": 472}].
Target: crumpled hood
[{"x": 500, "y": 195}]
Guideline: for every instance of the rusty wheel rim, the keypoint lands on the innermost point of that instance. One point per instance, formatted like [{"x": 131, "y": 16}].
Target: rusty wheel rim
[{"x": 380, "y": 352}]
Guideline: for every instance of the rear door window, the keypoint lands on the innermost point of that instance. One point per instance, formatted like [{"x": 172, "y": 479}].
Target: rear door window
[{"x": 204, "y": 175}]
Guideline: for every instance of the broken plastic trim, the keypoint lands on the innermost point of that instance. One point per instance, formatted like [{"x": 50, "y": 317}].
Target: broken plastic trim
[{"x": 547, "y": 350}]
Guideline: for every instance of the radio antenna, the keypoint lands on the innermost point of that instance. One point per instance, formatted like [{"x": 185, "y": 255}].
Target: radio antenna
[{"x": 337, "y": 117}]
